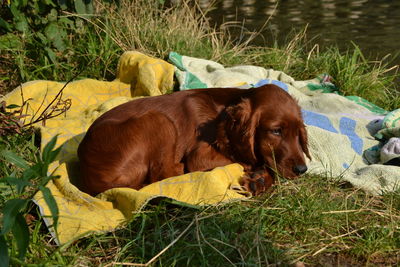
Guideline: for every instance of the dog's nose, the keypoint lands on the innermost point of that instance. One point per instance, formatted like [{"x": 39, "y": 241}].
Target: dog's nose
[{"x": 299, "y": 169}]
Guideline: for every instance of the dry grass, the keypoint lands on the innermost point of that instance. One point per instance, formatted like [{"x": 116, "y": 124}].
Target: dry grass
[{"x": 147, "y": 27}]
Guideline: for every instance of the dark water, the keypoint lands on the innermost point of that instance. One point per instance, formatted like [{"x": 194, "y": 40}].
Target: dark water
[{"x": 374, "y": 25}]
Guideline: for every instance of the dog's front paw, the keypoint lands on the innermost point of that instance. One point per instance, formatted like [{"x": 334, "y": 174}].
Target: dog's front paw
[{"x": 257, "y": 182}]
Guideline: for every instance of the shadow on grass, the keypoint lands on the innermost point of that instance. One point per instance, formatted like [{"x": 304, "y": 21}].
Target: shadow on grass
[{"x": 227, "y": 235}]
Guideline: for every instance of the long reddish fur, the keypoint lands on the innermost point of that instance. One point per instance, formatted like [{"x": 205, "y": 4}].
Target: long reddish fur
[{"x": 153, "y": 138}]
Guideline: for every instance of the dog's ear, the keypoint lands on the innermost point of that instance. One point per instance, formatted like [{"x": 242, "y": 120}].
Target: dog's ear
[
  {"x": 304, "y": 141},
  {"x": 240, "y": 127}
]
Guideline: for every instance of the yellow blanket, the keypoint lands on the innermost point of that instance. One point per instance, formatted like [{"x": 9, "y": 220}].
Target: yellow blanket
[{"x": 79, "y": 213}]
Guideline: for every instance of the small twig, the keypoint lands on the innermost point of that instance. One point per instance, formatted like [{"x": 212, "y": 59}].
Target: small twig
[
  {"x": 44, "y": 116},
  {"x": 10, "y": 122},
  {"x": 51, "y": 110},
  {"x": 198, "y": 234},
  {"x": 347, "y": 234},
  {"x": 320, "y": 250},
  {"x": 40, "y": 106},
  {"x": 57, "y": 95},
  {"x": 23, "y": 101}
]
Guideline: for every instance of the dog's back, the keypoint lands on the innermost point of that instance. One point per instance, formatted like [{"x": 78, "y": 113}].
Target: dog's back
[{"x": 128, "y": 153}]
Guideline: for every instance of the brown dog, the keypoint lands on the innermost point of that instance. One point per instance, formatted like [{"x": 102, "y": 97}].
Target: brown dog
[{"x": 149, "y": 139}]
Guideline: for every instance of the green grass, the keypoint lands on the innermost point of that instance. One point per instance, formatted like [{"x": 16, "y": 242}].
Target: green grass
[
  {"x": 316, "y": 220},
  {"x": 352, "y": 73},
  {"x": 302, "y": 220},
  {"x": 24, "y": 145},
  {"x": 311, "y": 220}
]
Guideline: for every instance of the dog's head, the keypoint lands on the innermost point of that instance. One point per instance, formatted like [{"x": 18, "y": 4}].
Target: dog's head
[{"x": 265, "y": 129}]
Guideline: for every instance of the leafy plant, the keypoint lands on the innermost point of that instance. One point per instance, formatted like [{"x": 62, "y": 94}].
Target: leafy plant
[
  {"x": 43, "y": 20},
  {"x": 32, "y": 179}
]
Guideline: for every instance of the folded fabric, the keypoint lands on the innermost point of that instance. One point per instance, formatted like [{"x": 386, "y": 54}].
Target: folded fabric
[
  {"x": 387, "y": 130},
  {"x": 390, "y": 126},
  {"x": 390, "y": 150},
  {"x": 340, "y": 129}
]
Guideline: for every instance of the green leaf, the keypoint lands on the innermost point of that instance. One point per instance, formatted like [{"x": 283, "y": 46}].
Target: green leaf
[
  {"x": 31, "y": 173},
  {"x": 23, "y": 3},
  {"x": 21, "y": 234},
  {"x": 43, "y": 21},
  {"x": 56, "y": 35},
  {"x": 80, "y": 7},
  {"x": 51, "y": 202},
  {"x": 45, "y": 179},
  {"x": 42, "y": 38},
  {"x": 4, "y": 258},
  {"x": 52, "y": 16},
  {"x": 15, "y": 159},
  {"x": 10, "y": 211},
  {"x": 19, "y": 183},
  {"x": 66, "y": 21},
  {"x": 14, "y": 10},
  {"x": 21, "y": 24},
  {"x": 53, "y": 154},
  {"x": 83, "y": 7},
  {"x": 51, "y": 30},
  {"x": 5, "y": 25},
  {"x": 49, "y": 2},
  {"x": 39, "y": 7},
  {"x": 51, "y": 55},
  {"x": 58, "y": 41},
  {"x": 48, "y": 155},
  {"x": 62, "y": 4},
  {"x": 13, "y": 106},
  {"x": 10, "y": 41}
]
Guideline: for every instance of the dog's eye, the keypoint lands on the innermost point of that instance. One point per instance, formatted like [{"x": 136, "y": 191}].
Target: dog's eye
[{"x": 277, "y": 131}]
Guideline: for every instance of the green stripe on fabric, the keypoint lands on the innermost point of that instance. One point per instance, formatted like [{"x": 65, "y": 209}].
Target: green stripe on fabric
[
  {"x": 326, "y": 88},
  {"x": 176, "y": 59},
  {"x": 192, "y": 82},
  {"x": 365, "y": 103}
]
